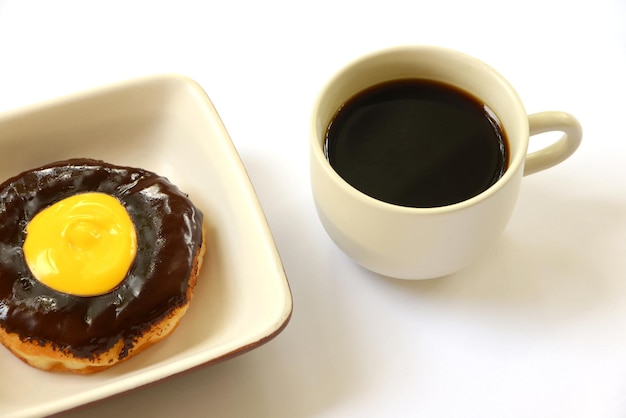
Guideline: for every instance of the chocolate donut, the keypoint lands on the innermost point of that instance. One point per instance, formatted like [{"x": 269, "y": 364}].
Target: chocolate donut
[{"x": 55, "y": 330}]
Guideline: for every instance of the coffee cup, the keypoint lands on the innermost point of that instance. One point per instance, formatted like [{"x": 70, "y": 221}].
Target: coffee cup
[{"x": 415, "y": 240}]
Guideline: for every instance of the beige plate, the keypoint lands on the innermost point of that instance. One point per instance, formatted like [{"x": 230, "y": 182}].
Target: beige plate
[{"x": 166, "y": 124}]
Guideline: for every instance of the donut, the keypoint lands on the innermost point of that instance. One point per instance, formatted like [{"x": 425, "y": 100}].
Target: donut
[{"x": 60, "y": 314}]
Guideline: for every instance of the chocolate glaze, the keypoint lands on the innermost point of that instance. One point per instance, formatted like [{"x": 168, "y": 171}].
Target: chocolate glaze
[{"x": 169, "y": 235}]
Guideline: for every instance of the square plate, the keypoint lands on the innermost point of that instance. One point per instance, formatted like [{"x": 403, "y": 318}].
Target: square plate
[{"x": 166, "y": 124}]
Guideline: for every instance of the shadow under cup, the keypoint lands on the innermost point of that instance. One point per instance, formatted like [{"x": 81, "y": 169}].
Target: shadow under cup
[{"x": 408, "y": 242}]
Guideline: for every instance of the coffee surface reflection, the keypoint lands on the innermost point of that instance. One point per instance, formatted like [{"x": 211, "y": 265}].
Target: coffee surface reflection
[{"x": 417, "y": 143}]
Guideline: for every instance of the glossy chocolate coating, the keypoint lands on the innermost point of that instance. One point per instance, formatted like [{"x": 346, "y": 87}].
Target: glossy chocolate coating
[{"x": 169, "y": 235}]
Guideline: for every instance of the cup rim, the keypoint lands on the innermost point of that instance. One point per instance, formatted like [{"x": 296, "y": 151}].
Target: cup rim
[{"x": 317, "y": 146}]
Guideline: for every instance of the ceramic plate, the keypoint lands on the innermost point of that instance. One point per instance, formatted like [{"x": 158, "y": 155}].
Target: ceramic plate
[{"x": 166, "y": 124}]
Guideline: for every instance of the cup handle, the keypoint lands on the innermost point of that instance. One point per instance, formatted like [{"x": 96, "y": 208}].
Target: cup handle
[{"x": 559, "y": 151}]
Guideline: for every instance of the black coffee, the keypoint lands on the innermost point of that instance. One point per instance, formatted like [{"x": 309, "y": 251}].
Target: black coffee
[{"x": 417, "y": 143}]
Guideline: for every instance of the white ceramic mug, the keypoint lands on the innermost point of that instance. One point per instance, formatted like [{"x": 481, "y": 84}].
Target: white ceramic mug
[{"x": 420, "y": 243}]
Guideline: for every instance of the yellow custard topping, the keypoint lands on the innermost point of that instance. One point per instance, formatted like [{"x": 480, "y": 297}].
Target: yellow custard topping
[{"x": 82, "y": 245}]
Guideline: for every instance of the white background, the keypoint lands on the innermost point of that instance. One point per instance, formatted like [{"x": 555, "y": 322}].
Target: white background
[{"x": 536, "y": 328}]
